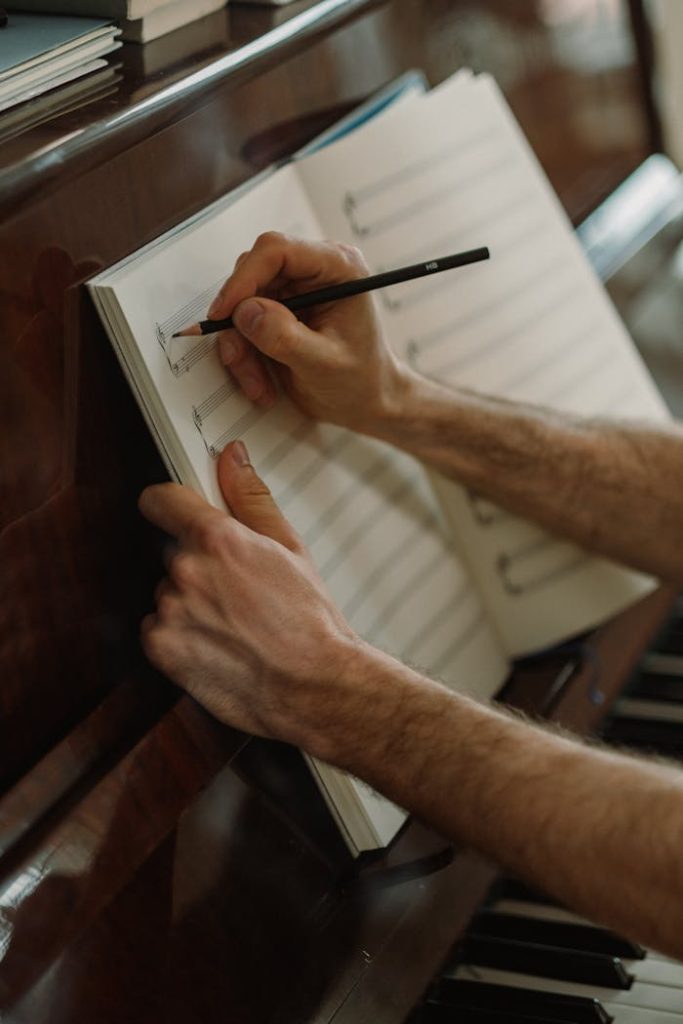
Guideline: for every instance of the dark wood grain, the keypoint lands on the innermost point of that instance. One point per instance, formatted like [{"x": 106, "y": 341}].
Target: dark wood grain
[{"x": 153, "y": 866}]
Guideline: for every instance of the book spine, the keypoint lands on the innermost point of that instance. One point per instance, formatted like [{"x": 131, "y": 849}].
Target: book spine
[
  {"x": 132, "y": 9},
  {"x": 86, "y": 8}
]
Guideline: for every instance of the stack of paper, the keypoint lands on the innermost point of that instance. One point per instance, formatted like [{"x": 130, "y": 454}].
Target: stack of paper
[
  {"x": 139, "y": 20},
  {"x": 167, "y": 17},
  {"x": 41, "y": 52}
]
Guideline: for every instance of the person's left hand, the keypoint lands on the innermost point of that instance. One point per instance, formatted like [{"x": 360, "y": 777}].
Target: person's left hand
[{"x": 243, "y": 621}]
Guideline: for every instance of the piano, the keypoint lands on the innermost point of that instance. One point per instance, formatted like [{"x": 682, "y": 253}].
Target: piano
[{"x": 154, "y": 865}]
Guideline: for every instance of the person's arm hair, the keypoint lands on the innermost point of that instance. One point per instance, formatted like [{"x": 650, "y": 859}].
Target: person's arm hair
[
  {"x": 615, "y": 488},
  {"x": 245, "y": 624},
  {"x": 599, "y": 831}
]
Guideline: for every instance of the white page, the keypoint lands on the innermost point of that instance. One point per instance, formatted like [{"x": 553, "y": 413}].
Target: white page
[
  {"x": 366, "y": 512},
  {"x": 454, "y": 172}
]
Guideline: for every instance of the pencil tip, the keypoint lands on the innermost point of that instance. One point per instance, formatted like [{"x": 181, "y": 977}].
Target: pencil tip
[{"x": 190, "y": 331}]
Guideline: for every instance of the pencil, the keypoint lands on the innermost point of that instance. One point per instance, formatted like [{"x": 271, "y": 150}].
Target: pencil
[{"x": 347, "y": 289}]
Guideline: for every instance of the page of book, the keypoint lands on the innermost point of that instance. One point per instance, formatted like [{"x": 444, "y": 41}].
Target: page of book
[
  {"x": 366, "y": 512},
  {"x": 533, "y": 324}
]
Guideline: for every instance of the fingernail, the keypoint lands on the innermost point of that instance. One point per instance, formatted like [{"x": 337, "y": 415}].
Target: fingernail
[
  {"x": 247, "y": 315},
  {"x": 214, "y": 307},
  {"x": 228, "y": 349},
  {"x": 240, "y": 455}
]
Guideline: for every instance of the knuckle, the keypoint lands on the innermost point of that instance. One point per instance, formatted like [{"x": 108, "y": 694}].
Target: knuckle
[
  {"x": 240, "y": 351},
  {"x": 279, "y": 344},
  {"x": 211, "y": 533},
  {"x": 167, "y": 607},
  {"x": 183, "y": 570},
  {"x": 270, "y": 240},
  {"x": 156, "y": 645},
  {"x": 296, "y": 544},
  {"x": 354, "y": 258}
]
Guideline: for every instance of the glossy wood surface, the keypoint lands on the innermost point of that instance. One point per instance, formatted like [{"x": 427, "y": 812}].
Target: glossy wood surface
[{"x": 153, "y": 865}]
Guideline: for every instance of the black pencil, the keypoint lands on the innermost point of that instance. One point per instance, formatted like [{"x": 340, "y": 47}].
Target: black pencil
[{"x": 350, "y": 288}]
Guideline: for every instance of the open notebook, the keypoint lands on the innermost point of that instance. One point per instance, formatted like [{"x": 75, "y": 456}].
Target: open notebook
[{"x": 420, "y": 567}]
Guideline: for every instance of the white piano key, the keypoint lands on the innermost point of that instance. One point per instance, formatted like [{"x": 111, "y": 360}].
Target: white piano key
[
  {"x": 665, "y": 664},
  {"x": 657, "y": 972},
  {"x": 634, "y": 1015}
]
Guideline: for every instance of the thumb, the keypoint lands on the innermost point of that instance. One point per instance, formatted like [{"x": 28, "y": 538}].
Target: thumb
[
  {"x": 249, "y": 499},
  {"x": 274, "y": 330}
]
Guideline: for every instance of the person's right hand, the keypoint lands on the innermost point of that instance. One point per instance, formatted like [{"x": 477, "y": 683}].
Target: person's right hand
[{"x": 332, "y": 361}]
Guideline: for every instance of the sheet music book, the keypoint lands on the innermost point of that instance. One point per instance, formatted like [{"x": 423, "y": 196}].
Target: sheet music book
[
  {"x": 43, "y": 52},
  {"x": 421, "y": 567}
]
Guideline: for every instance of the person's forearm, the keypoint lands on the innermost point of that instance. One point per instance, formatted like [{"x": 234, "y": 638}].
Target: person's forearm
[
  {"x": 599, "y": 831},
  {"x": 616, "y": 489}
]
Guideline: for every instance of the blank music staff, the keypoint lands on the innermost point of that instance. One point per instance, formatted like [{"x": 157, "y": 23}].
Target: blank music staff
[
  {"x": 463, "y": 233},
  {"x": 402, "y": 193}
]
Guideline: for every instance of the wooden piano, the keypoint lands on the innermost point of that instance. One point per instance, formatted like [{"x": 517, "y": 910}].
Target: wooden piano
[{"x": 155, "y": 866}]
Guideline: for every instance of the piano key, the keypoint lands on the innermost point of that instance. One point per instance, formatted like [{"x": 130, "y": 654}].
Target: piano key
[
  {"x": 546, "y": 961},
  {"x": 658, "y": 686},
  {"x": 634, "y": 1015},
  {"x": 567, "y": 935},
  {"x": 473, "y": 995},
  {"x": 540, "y": 911},
  {"x": 551, "y": 912},
  {"x": 648, "y": 998},
  {"x": 666, "y": 664},
  {"x": 434, "y": 1013},
  {"x": 649, "y": 710},
  {"x": 671, "y": 640},
  {"x": 513, "y": 889},
  {"x": 659, "y": 972},
  {"x": 656, "y": 736}
]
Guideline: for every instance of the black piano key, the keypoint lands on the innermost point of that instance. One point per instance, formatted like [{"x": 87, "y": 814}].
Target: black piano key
[
  {"x": 432, "y": 1013},
  {"x": 658, "y": 686},
  {"x": 478, "y": 995},
  {"x": 643, "y": 734},
  {"x": 546, "y": 961},
  {"x": 554, "y": 933},
  {"x": 513, "y": 889},
  {"x": 671, "y": 640}
]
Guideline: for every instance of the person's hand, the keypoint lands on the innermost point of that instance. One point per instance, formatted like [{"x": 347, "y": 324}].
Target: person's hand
[
  {"x": 243, "y": 621},
  {"x": 332, "y": 361}
]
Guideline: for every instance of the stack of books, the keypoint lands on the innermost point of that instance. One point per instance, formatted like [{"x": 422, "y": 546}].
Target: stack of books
[
  {"x": 139, "y": 20},
  {"x": 43, "y": 52}
]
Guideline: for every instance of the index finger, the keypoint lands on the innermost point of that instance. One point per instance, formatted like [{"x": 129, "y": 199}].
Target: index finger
[
  {"x": 276, "y": 260},
  {"x": 174, "y": 508}
]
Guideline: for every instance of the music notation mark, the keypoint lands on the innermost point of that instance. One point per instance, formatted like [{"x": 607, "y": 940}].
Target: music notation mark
[
  {"x": 186, "y": 314},
  {"x": 486, "y": 513},
  {"x": 537, "y": 564}
]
